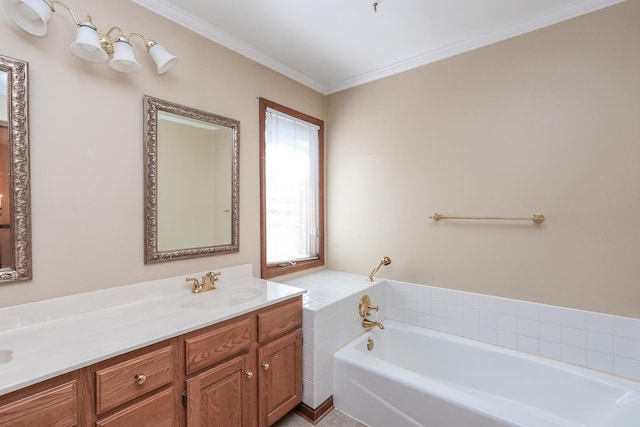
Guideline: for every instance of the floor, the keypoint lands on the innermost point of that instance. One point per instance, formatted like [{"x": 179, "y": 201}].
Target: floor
[{"x": 335, "y": 418}]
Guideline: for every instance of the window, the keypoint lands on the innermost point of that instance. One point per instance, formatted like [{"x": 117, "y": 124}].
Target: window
[{"x": 291, "y": 190}]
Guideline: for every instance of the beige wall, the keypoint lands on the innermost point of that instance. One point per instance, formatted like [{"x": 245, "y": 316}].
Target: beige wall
[
  {"x": 86, "y": 146},
  {"x": 543, "y": 122},
  {"x": 546, "y": 122}
]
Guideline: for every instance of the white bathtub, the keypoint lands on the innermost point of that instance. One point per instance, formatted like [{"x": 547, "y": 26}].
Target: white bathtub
[{"x": 418, "y": 377}]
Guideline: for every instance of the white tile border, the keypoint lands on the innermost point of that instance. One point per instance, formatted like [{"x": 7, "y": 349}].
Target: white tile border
[{"x": 603, "y": 342}]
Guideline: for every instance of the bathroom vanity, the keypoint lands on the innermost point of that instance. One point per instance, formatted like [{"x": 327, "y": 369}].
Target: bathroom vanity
[{"x": 241, "y": 366}]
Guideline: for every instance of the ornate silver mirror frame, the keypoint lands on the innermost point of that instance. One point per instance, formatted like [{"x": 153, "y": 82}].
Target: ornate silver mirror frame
[
  {"x": 17, "y": 127},
  {"x": 153, "y": 252}
]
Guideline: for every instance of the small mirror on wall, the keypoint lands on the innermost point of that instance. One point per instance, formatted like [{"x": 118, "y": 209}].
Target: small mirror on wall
[
  {"x": 191, "y": 182},
  {"x": 15, "y": 190}
]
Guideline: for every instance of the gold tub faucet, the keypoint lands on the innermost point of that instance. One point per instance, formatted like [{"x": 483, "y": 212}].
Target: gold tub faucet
[
  {"x": 208, "y": 282},
  {"x": 366, "y": 323},
  {"x": 364, "y": 308}
]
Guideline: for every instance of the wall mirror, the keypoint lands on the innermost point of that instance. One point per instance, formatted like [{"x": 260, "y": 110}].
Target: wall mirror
[
  {"x": 192, "y": 172},
  {"x": 15, "y": 191}
]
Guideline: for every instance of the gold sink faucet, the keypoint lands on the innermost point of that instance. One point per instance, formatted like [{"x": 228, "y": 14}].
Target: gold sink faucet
[{"x": 208, "y": 282}]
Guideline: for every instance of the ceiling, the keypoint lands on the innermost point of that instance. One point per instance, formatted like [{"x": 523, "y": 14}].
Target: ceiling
[{"x": 331, "y": 45}]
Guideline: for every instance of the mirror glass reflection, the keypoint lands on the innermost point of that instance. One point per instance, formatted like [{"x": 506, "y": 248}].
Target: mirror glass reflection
[
  {"x": 6, "y": 261},
  {"x": 192, "y": 182}
]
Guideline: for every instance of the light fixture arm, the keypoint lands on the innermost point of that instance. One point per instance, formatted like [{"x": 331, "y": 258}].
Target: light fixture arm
[
  {"x": 148, "y": 43},
  {"x": 91, "y": 44},
  {"x": 52, "y": 4}
]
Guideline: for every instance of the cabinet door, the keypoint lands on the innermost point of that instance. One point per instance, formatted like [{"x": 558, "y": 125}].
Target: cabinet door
[
  {"x": 52, "y": 407},
  {"x": 221, "y": 396},
  {"x": 280, "y": 382}
]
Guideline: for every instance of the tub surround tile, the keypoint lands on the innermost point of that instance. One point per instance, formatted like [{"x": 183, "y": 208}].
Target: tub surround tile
[
  {"x": 528, "y": 345},
  {"x": 627, "y": 327},
  {"x": 454, "y": 327},
  {"x": 574, "y": 318},
  {"x": 627, "y": 347},
  {"x": 471, "y": 315},
  {"x": 507, "y": 307},
  {"x": 438, "y": 323},
  {"x": 454, "y": 297},
  {"x": 331, "y": 320},
  {"x": 470, "y": 300},
  {"x": 508, "y": 339},
  {"x": 574, "y": 337},
  {"x": 551, "y": 314},
  {"x": 574, "y": 355},
  {"x": 599, "y": 341},
  {"x": 626, "y": 367},
  {"x": 603, "y": 323},
  {"x": 507, "y": 323},
  {"x": 488, "y": 335},
  {"x": 488, "y": 319},
  {"x": 600, "y": 361},
  {"x": 550, "y": 350},
  {"x": 488, "y": 304},
  {"x": 528, "y": 328},
  {"x": 471, "y": 330},
  {"x": 550, "y": 332},
  {"x": 528, "y": 310}
]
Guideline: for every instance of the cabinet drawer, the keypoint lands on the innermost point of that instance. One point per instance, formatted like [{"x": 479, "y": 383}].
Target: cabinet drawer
[
  {"x": 122, "y": 382},
  {"x": 280, "y": 319},
  {"x": 155, "y": 411},
  {"x": 53, "y": 407},
  {"x": 207, "y": 348}
]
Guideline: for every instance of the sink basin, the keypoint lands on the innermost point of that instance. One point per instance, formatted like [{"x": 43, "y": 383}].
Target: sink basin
[
  {"x": 221, "y": 298},
  {"x": 5, "y": 356}
]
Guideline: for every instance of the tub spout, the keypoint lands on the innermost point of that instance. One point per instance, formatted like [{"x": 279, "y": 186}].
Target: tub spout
[{"x": 366, "y": 323}]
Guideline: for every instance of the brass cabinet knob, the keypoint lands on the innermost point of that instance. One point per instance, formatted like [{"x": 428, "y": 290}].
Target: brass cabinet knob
[
  {"x": 248, "y": 374},
  {"x": 140, "y": 378},
  {"x": 265, "y": 366}
]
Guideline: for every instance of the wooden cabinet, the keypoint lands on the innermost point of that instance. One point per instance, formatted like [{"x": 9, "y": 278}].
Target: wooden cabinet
[
  {"x": 52, "y": 403},
  {"x": 246, "y": 371}
]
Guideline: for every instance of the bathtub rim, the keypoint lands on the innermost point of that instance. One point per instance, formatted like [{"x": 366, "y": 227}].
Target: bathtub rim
[
  {"x": 593, "y": 374},
  {"x": 450, "y": 394}
]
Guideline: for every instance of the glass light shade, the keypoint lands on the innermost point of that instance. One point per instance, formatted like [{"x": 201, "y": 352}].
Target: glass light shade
[
  {"x": 30, "y": 15},
  {"x": 123, "y": 59},
  {"x": 87, "y": 45},
  {"x": 163, "y": 59}
]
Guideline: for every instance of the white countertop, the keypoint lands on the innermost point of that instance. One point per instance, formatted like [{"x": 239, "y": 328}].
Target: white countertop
[{"x": 48, "y": 338}]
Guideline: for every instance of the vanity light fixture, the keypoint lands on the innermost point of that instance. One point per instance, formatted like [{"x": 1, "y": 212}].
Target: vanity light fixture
[{"x": 91, "y": 44}]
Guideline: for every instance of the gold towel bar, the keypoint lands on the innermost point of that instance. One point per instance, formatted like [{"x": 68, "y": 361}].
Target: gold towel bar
[{"x": 537, "y": 218}]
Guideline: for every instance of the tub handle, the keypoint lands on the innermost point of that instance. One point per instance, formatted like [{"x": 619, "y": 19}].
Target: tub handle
[{"x": 365, "y": 306}]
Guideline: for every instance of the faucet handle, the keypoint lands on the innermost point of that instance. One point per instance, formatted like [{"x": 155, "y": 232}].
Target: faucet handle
[
  {"x": 365, "y": 306},
  {"x": 197, "y": 287}
]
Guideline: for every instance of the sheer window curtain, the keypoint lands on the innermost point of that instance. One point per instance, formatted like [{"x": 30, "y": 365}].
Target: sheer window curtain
[{"x": 291, "y": 159}]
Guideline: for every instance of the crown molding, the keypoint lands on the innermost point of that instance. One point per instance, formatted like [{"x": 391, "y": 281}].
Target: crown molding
[{"x": 197, "y": 25}]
